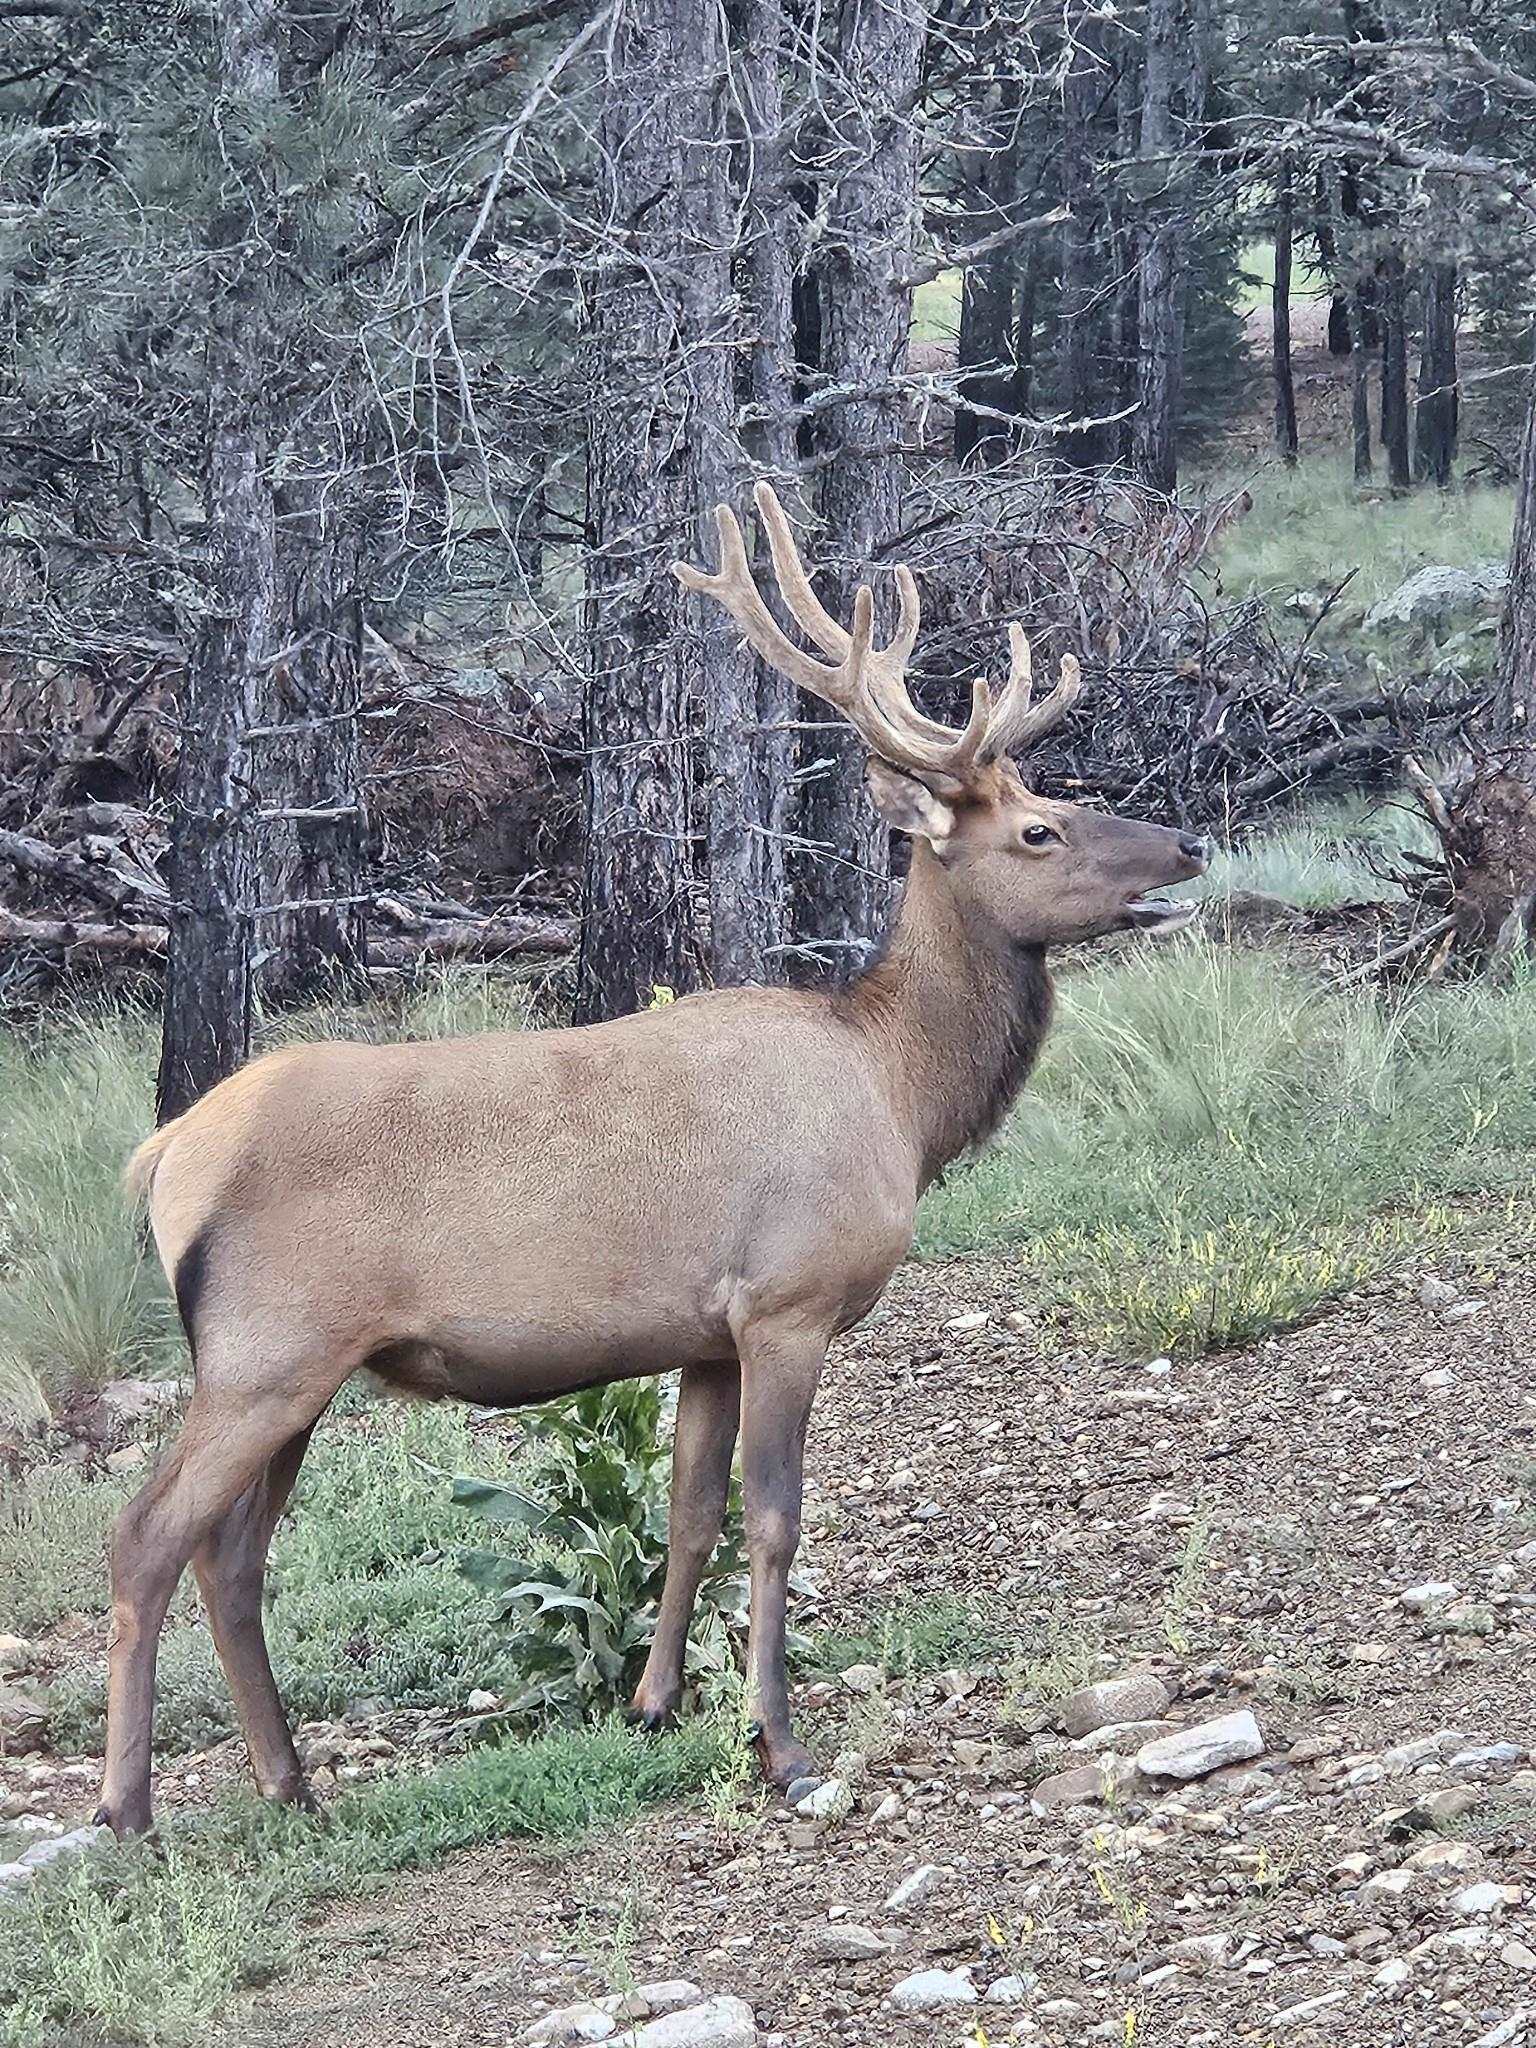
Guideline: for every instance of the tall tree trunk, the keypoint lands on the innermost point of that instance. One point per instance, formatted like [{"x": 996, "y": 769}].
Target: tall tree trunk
[
  {"x": 866, "y": 313},
  {"x": 310, "y": 851},
  {"x": 1083, "y": 91},
  {"x": 1286, "y": 438},
  {"x": 1436, "y": 416},
  {"x": 1394, "y": 370},
  {"x": 213, "y": 866},
  {"x": 774, "y": 216},
  {"x": 1175, "y": 57},
  {"x": 988, "y": 374},
  {"x": 1514, "y": 712},
  {"x": 651, "y": 376},
  {"x": 1361, "y": 395}
]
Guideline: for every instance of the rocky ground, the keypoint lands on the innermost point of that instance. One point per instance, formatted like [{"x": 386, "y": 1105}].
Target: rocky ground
[{"x": 1325, "y": 1545}]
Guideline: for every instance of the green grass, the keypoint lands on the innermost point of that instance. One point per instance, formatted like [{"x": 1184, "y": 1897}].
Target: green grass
[
  {"x": 1308, "y": 527},
  {"x": 1326, "y": 855},
  {"x": 147, "y": 1943},
  {"x": 910, "y": 1637},
  {"x": 1214, "y": 1143}
]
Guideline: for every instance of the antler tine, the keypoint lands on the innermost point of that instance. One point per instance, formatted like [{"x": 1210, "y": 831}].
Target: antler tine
[
  {"x": 805, "y": 607},
  {"x": 734, "y": 587},
  {"x": 1017, "y": 723}
]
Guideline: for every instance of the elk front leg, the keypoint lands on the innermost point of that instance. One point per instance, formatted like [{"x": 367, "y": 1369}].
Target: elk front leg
[
  {"x": 780, "y": 1366},
  {"x": 708, "y": 1404}
]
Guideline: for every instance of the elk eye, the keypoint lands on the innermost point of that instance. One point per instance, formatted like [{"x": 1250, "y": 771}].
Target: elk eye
[{"x": 1039, "y": 835}]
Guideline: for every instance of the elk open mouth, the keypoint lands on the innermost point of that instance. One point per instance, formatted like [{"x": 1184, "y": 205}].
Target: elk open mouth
[{"x": 1158, "y": 914}]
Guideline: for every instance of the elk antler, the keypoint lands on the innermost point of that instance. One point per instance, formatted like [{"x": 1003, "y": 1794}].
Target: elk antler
[{"x": 866, "y": 683}]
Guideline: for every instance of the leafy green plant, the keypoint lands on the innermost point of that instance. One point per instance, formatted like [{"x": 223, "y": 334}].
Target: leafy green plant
[{"x": 595, "y": 1510}]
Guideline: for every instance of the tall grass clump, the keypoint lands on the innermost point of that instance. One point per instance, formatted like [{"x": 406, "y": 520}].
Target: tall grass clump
[
  {"x": 1321, "y": 856},
  {"x": 1215, "y": 1117},
  {"x": 78, "y": 1301}
]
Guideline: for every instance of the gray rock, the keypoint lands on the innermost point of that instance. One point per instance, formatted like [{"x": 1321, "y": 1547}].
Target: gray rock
[
  {"x": 1194, "y": 1752},
  {"x": 1203, "y": 1951},
  {"x": 668, "y": 1994},
  {"x": 717, "y": 2023},
  {"x": 571, "y": 2023},
  {"x": 1433, "y": 1593},
  {"x": 914, "y": 1887},
  {"x": 1083, "y": 1785},
  {"x": 1489, "y": 1753},
  {"x": 845, "y": 1942},
  {"x": 133, "y": 1400},
  {"x": 828, "y": 1802},
  {"x": 932, "y": 1991},
  {"x": 78, "y": 1842},
  {"x": 16, "y": 1656},
  {"x": 801, "y": 1788},
  {"x": 1485, "y": 1901},
  {"x": 1139, "y": 1697},
  {"x": 1432, "y": 596},
  {"x": 1010, "y": 1990},
  {"x": 864, "y": 1678},
  {"x": 23, "y": 1719},
  {"x": 1122, "y": 1735},
  {"x": 14, "y": 1875}
]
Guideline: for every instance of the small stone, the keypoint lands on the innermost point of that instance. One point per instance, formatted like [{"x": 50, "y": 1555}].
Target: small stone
[
  {"x": 1432, "y": 1593},
  {"x": 889, "y": 1809},
  {"x": 1434, "y": 1293},
  {"x": 914, "y": 1887},
  {"x": 1138, "y": 1697},
  {"x": 717, "y": 2023},
  {"x": 1505, "y": 2033},
  {"x": 1515, "y": 1955},
  {"x": 482, "y": 1702},
  {"x": 1394, "y": 1972},
  {"x": 1293, "y": 2015},
  {"x": 23, "y": 1719},
  {"x": 932, "y": 1991},
  {"x": 17, "y": 1656},
  {"x": 1490, "y": 1754},
  {"x": 801, "y": 1788},
  {"x": 844, "y": 1942},
  {"x": 668, "y": 1994},
  {"x": 1009, "y": 1990},
  {"x": 1444, "y": 1856},
  {"x": 1194, "y": 1752},
  {"x": 1084, "y": 1785},
  {"x": 14, "y": 1875},
  {"x": 584, "y": 2022},
  {"x": 1122, "y": 1735},
  {"x": 1389, "y": 1884},
  {"x": 864, "y": 1678},
  {"x": 1200, "y": 1952},
  {"x": 1436, "y": 1809},
  {"x": 977, "y": 1319},
  {"x": 1485, "y": 1901},
  {"x": 829, "y": 1802}
]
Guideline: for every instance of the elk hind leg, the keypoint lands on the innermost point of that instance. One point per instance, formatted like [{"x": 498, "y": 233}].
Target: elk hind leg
[
  {"x": 231, "y": 1565},
  {"x": 226, "y": 1441}
]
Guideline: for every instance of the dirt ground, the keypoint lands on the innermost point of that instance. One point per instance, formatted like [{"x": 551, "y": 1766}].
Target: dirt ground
[{"x": 1246, "y": 1527}]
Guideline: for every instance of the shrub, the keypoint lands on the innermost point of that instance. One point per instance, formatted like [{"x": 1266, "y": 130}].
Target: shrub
[{"x": 595, "y": 1510}]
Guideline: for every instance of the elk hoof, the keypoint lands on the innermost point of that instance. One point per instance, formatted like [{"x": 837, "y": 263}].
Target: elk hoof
[
  {"x": 652, "y": 1719},
  {"x": 785, "y": 1763}
]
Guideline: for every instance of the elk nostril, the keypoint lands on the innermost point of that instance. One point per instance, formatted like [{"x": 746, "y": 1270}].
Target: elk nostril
[{"x": 1195, "y": 847}]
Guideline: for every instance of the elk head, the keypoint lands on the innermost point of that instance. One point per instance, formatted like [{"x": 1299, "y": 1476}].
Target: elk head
[{"x": 1041, "y": 872}]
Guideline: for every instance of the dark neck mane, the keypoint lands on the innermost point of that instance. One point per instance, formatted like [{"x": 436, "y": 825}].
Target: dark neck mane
[{"x": 958, "y": 1012}]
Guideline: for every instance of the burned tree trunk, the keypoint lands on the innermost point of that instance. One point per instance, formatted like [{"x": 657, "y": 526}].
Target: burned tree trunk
[
  {"x": 1436, "y": 416},
  {"x": 866, "y": 308},
  {"x": 988, "y": 364},
  {"x": 1394, "y": 370},
  {"x": 214, "y": 872},
  {"x": 1286, "y": 439},
  {"x": 1360, "y": 408},
  {"x": 1082, "y": 263},
  {"x": 1174, "y": 78},
  {"x": 638, "y": 925}
]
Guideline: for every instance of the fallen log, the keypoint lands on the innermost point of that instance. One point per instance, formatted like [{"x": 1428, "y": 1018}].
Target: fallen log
[
  {"x": 69, "y": 935},
  {"x": 91, "y": 878},
  {"x": 499, "y": 938}
]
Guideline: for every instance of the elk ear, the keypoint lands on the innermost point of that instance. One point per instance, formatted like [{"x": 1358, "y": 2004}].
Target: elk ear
[{"x": 908, "y": 805}]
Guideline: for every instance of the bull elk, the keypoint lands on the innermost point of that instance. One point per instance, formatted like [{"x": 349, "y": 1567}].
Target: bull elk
[{"x": 718, "y": 1186}]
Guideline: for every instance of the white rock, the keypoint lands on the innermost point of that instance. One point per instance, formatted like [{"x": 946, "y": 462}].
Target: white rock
[
  {"x": 1115, "y": 1702},
  {"x": 584, "y": 2022},
  {"x": 1009, "y": 1990},
  {"x": 932, "y": 1991},
  {"x": 914, "y": 1887},
  {"x": 17, "y": 1656},
  {"x": 1389, "y": 1884},
  {"x": 846, "y": 1942},
  {"x": 1507, "y": 2031},
  {"x": 14, "y": 1875},
  {"x": 1432, "y": 1593},
  {"x": 1393, "y": 1973},
  {"x": 668, "y": 1994},
  {"x": 1202, "y": 1951},
  {"x": 1123, "y": 1736},
  {"x": 1489, "y": 1753},
  {"x": 1194, "y": 1752},
  {"x": 481, "y": 1702},
  {"x": 863, "y": 1678},
  {"x": 1485, "y": 1901},
  {"x": 1435, "y": 594},
  {"x": 717, "y": 2023},
  {"x": 1293, "y": 2015},
  {"x": 889, "y": 1809},
  {"x": 977, "y": 1319}
]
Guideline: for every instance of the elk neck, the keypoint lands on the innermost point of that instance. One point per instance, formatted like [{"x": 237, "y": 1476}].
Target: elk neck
[{"x": 956, "y": 1011}]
